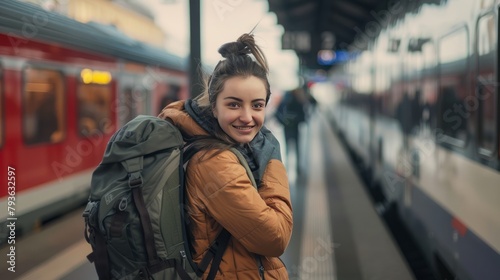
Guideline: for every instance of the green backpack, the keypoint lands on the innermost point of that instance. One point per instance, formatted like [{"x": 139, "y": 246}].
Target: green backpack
[{"x": 135, "y": 219}]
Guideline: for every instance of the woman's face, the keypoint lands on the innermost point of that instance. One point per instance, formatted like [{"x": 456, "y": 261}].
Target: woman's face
[{"x": 240, "y": 108}]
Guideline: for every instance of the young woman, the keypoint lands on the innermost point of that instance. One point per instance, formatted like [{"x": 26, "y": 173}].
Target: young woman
[{"x": 230, "y": 114}]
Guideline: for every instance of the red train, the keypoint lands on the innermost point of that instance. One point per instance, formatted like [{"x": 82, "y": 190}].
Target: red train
[{"x": 65, "y": 87}]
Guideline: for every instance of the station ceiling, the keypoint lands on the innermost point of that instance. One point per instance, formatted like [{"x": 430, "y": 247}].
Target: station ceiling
[{"x": 338, "y": 25}]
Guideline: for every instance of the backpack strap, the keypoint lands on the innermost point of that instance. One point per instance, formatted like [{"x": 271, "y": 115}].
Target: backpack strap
[
  {"x": 214, "y": 254},
  {"x": 244, "y": 162},
  {"x": 164, "y": 264},
  {"x": 218, "y": 247},
  {"x": 99, "y": 256},
  {"x": 222, "y": 241},
  {"x": 134, "y": 168}
]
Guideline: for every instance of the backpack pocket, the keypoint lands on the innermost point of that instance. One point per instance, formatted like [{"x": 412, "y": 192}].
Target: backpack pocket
[{"x": 124, "y": 236}]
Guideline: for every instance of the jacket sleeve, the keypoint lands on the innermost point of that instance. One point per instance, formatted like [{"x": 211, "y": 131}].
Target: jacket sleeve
[{"x": 260, "y": 220}]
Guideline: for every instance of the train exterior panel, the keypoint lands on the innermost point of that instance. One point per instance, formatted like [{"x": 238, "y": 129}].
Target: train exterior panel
[
  {"x": 432, "y": 105},
  {"x": 46, "y": 161},
  {"x": 62, "y": 95}
]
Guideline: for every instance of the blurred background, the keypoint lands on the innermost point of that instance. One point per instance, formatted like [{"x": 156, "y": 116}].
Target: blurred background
[
  {"x": 165, "y": 24},
  {"x": 387, "y": 113}
]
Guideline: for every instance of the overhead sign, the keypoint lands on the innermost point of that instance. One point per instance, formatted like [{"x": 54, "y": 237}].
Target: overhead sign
[
  {"x": 299, "y": 41},
  {"x": 329, "y": 57}
]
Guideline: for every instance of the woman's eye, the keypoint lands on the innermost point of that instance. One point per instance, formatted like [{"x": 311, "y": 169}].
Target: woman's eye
[
  {"x": 233, "y": 105},
  {"x": 259, "y": 105}
]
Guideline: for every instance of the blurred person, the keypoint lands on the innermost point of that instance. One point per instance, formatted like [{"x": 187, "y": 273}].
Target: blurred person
[
  {"x": 405, "y": 117},
  {"x": 230, "y": 114},
  {"x": 291, "y": 112}
]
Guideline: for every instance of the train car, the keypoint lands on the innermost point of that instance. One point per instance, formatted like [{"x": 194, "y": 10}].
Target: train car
[
  {"x": 65, "y": 87},
  {"x": 429, "y": 95}
]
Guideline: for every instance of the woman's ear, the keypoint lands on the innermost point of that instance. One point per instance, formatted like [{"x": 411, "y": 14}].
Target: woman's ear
[{"x": 214, "y": 112}]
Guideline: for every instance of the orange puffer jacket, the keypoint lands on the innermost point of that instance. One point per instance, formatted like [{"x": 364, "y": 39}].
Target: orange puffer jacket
[{"x": 220, "y": 194}]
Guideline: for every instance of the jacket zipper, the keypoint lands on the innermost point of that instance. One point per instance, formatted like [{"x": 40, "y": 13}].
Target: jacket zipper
[
  {"x": 261, "y": 267},
  {"x": 282, "y": 262}
]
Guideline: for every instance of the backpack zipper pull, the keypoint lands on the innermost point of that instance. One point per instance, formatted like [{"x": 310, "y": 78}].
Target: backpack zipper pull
[{"x": 183, "y": 255}]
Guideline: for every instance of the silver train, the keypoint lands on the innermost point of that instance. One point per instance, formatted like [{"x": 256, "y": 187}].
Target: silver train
[{"x": 419, "y": 107}]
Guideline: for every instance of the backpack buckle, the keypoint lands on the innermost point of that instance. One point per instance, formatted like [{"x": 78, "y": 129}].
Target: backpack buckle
[
  {"x": 90, "y": 209},
  {"x": 135, "y": 180}
]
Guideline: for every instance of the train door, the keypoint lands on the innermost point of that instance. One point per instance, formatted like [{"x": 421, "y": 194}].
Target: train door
[
  {"x": 2, "y": 118},
  {"x": 454, "y": 88},
  {"x": 403, "y": 99},
  {"x": 94, "y": 93},
  {"x": 486, "y": 95},
  {"x": 416, "y": 67}
]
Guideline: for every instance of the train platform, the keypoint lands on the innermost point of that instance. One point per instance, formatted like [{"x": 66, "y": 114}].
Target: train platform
[{"x": 337, "y": 232}]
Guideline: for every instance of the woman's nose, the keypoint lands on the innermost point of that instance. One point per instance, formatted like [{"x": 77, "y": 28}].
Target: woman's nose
[{"x": 246, "y": 115}]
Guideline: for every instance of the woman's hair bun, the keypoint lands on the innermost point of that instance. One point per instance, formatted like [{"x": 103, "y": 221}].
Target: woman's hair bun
[
  {"x": 245, "y": 45},
  {"x": 242, "y": 46},
  {"x": 233, "y": 48}
]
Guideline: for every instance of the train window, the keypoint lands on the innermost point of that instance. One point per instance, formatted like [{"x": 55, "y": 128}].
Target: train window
[
  {"x": 134, "y": 101},
  {"x": 453, "y": 88},
  {"x": 43, "y": 106},
  {"x": 94, "y": 109},
  {"x": 429, "y": 55},
  {"x": 486, "y": 83}
]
